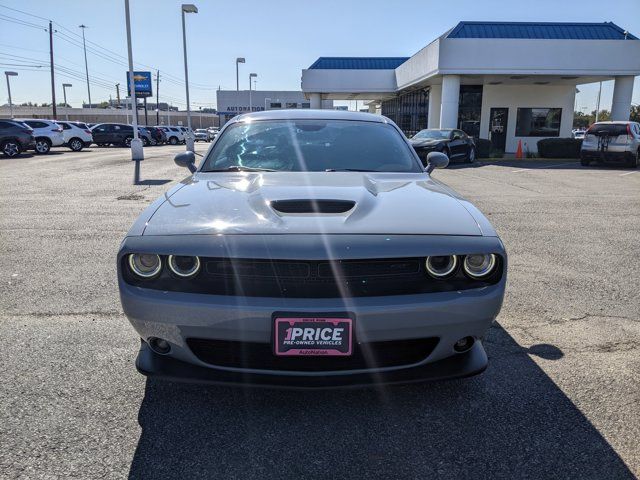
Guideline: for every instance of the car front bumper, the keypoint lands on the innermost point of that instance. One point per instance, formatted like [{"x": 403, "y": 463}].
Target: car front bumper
[{"x": 177, "y": 317}]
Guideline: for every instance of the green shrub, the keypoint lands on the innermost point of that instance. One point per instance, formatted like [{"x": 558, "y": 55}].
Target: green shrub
[
  {"x": 483, "y": 147},
  {"x": 559, "y": 147}
]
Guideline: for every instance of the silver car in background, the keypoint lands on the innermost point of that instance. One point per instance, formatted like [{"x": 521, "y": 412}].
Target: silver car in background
[
  {"x": 310, "y": 248},
  {"x": 201, "y": 135},
  {"x": 612, "y": 142}
]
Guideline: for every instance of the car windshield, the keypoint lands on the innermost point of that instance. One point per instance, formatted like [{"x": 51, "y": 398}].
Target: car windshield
[
  {"x": 432, "y": 134},
  {"x": 200, "y": 130},
  {"x": 312, "y": 146}
]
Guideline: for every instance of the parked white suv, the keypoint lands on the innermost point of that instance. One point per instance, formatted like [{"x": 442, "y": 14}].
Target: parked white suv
[
  {"x": 47, "y": 132},
  {"x": 614, "y": 142},
  {"x": 76, "y": 135},
  {"x": 174, "y": 134}
]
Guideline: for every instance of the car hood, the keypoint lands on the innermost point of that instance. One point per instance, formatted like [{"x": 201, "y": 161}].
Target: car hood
[
  {"x": 360, "y": 203},
  {"x": 426, "y": 142}
]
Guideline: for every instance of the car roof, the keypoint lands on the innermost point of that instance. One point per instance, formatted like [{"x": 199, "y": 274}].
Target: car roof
[
  {"x": 33, "y": 120},
  {"x": 615, "y": 122},
  {"x": 304, "y": 114}
]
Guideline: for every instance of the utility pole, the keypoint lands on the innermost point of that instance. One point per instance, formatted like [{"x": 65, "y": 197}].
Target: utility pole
[
  {"x": 53, "y": 81},
  {"x": 118, "y": 93},
  {"x": 86, "y": 65},
  {"x": 158, "y": 97}
]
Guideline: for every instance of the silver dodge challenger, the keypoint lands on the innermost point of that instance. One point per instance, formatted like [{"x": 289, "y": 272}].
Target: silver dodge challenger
[{"x": 311, "y": 249}]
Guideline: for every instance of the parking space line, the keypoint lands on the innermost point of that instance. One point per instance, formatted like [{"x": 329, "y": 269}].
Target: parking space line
[
  {"x": 629, "y": 173},
  {"x": 540, "y": 168}
]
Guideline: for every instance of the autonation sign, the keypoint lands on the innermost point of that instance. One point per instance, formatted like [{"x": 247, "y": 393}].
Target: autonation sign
[{"x": 142, "y": 82}]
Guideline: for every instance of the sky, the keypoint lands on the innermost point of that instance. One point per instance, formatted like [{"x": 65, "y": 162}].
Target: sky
[{"x": 278, "y": 38}]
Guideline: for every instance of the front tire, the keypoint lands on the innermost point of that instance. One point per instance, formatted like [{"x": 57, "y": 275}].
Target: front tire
[
  {"x": 173, "y": 141},
  {"x": 127, "y": 142},
  {"x": 11, "y": 148},
  {"x": 471, "y": 156},
  {"x": 584, "y": 162},
  {"x": 43, "y": 146},
  {"x": 76, "y": 145},
  {"x": 145, "y": 142}
]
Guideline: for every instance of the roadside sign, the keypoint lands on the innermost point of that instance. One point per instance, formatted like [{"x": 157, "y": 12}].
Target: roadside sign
[{"x": 142, "y": 82}]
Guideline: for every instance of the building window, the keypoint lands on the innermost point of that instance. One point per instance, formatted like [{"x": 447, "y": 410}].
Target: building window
[
  {"x": 276, "y": 105},
  {"x": 306, "y": 105},
  {"x": 538, "y": 122},
  {"x": 408, "y": 110},
  {"x": 469, "y": 109},
  {"x": 291, "y": 105}
]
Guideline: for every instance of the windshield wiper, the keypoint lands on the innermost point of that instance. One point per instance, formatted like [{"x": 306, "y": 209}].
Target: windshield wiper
[
  {"x": 240, "y": 168},
  {"x": 348, "y": 170}
]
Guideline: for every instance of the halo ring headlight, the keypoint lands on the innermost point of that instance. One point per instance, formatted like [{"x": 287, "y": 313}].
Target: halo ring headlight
[
  {"x": 441, "y": 266},
  {"x": 184, "y": 266},
  {"x": 145, "y": 265},
  {"x": 479, "y": 265}
]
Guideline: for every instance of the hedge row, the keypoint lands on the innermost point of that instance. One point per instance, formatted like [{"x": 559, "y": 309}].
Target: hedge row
[
  {"x": 559, "y": 147},
  {"x": 483, "y": 147}
]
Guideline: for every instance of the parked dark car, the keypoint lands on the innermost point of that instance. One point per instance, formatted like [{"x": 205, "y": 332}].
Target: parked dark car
[
  {"x": 157, "y": 135},
  {"x": 456, "y": 144},
  {"x": 117, "y": 134},
  {"x": 15, "y": 137}
]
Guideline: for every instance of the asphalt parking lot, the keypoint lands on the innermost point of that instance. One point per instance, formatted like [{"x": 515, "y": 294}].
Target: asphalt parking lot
[{"x": 560, "y": 398}]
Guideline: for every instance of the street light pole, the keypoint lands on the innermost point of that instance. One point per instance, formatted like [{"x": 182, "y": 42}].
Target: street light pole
[
  {"x": 187, "y": 8},
  {"x": 10, "y": 74},
  {"x": 238, "y": 60},
  {"x": 86, "y": 65},
  {"x": 137, "y": 152},
  {"x": 251, "y": 75},
  {"x": 64, "y": 93}
]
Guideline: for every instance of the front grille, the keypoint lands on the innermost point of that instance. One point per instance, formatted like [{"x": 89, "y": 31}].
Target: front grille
[
  {"x": 311, "y": 278},
  {"x": 259, "y": 356}
]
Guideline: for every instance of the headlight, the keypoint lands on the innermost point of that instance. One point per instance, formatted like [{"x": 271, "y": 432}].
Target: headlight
[
  {"x": 145, "y": 265},
  {"x": 479, "y": 265},
  {"x": 184, "y": 266},
  {"x": 441, "y": 266}
]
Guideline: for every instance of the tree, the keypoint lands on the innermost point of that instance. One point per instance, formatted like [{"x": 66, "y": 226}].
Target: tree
[
  {"x": 635, "y": 113},
  {"x": 582, "y": 120},
  {"x": 603, "y": 116}
]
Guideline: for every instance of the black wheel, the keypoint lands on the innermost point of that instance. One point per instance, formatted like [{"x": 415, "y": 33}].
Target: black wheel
[
  {"x": 145, "y": 142},
  {"x": 127, "y": 141},
  {"x": 10, "y": 148},
  {"x": 76, "y": 144},
  {"x": 471, "y": 156},
  {"x": 584, "y": 162},
  {"x": 43, "y": 145},
  {"x": 173, "y": 140},
  {"x": 635, "y": 163}
]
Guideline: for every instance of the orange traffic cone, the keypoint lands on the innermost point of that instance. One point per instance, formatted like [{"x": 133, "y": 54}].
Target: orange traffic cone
[{"x": 519, "y": 151}]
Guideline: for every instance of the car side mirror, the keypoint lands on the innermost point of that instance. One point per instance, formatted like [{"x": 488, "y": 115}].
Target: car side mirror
[
  {"x": 436, "y": 160},
  {"x": 187, "y": 160}
]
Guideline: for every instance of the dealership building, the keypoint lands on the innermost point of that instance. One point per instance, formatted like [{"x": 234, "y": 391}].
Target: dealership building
[
  {"x": 234, "y": 102},
  {"x": 503, "y": 81}
]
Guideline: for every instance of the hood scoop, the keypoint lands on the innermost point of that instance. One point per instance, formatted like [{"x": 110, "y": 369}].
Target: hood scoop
[{"x": 306, "y": 206}]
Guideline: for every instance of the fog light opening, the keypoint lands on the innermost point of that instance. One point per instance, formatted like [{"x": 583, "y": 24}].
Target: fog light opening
[
  {"x": 463, "y": 344},
  {"x": 158, "y": 345}
]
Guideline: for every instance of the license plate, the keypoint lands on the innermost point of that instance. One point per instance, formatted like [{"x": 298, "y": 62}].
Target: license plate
[{"x": 313, "y": 336}]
